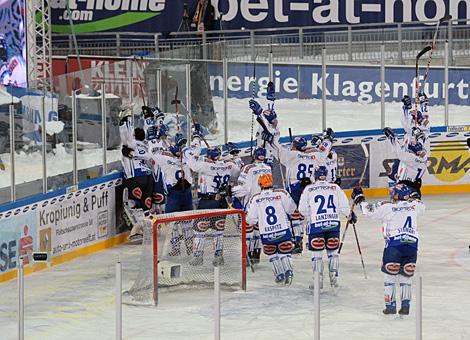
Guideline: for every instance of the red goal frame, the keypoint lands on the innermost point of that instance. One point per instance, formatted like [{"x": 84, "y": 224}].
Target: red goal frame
[{"x": 158, "y": 221}]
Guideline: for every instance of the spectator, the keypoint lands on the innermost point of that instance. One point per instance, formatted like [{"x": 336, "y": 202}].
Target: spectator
[{"x": 203, "y": 16}]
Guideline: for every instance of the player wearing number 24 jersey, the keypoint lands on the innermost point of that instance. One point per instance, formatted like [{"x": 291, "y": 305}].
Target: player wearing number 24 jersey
[
  {"x": 321, "y": 204},
  {"x": 270, "y": 209}
]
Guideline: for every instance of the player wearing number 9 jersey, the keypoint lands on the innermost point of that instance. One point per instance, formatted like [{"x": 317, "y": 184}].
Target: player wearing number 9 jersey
[
  {"x": 270, "y": 209},
  {"x": 321, "y": 204},
  {"x": 400, "y": 231}
]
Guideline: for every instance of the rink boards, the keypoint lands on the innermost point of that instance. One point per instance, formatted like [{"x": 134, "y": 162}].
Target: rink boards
[{"x": 75, "y": 222}]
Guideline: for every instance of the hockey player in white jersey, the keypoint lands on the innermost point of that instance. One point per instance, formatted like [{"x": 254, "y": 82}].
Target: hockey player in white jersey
[
  {"x": 270, "y": 209},
  {"x": 213, "y": 179},
  {"x": 248, "y": 187},
  {"x": 412, "y": 119},
  {"x": 400, "y": 231},
  {"x": 413, "y": 161},
  {"x": 322, "y": 146},
  {"x": 321, "y": 204}
]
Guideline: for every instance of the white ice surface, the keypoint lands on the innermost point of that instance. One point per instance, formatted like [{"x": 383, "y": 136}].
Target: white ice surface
[{"x": 75, "y": 300}]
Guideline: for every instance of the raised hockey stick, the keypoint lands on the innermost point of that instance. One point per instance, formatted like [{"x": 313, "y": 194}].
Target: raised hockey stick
[
  {"x": 366, "y": 154},
  {"x": 253, "y": 114},
  {"x": 418, "y": 56},
  {"x": 444, "y": 19},
  {"x": 143, "y": 93},
  {"x": 360, "y": 252}
]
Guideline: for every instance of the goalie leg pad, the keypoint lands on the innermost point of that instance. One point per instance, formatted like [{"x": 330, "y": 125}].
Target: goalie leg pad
[
  {"x": 198, "y": 244},
  {"x": 316, "y": 242},
  {"x": 389, "y": 291},
  {"x": 405, "y": 290},
  {"x": 269, "y": 249},
  {"x": 218, "y": 243},
  {"x": 285, "y": 247}
]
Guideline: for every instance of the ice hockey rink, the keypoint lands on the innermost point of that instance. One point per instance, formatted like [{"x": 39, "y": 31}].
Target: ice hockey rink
[{"x": 76, "y": 300}]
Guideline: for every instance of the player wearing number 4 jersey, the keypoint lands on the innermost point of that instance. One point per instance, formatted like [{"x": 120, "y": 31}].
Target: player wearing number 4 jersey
[
  {"x": 321, "y": 203},
  {"x": 400, "y": 230},
  {"x": 270, "y": 209}
]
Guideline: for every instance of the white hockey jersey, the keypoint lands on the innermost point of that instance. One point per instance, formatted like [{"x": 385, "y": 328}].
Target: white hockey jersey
[
  {"x": 298, "y": 164},
  {"x": 332, "y": 166},
  {"x": 321, "y": 204},
  {"x": 400, "y": 220},
  {"x": 408, "y": 122},
  {"x": 171, "y": 168},
  {"x": 270, "y": 209},
  {"x": 248, "y": 180},
  {"x": 212, "y": 175},
  {"x": 140, "y": 163},
  {"x": 412, "y": 167}
]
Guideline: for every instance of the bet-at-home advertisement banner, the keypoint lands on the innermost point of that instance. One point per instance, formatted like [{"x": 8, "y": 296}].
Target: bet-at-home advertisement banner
[
  {"x": 58, "y": 225},
  {"x": 165, "y": 16}
]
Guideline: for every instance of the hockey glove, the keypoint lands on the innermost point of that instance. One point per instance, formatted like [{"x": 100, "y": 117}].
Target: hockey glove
[
  {"x": 267, "y": 137},
  {"x": 271, "y": 92},
  {"x": 316, "y": 141},
  {"x": 197, "y": 130},
  {"x": 406, "y": 102},
  {"x": 180, "y": 140},
  {"x": 422, "y": 98},
  {"x": 352, "y": 218},
  {"x": 329, "y": 133},
  {"x": 162, "y": 131},
  {"x": 232, "y": 148},
  {"x": 388, "y": 132},
  {"x": 127, "y": 152},
  {"x": 338, "y": 181},
  {"x": 255, "y": 107},
  {"x": 357, "y": 195}
]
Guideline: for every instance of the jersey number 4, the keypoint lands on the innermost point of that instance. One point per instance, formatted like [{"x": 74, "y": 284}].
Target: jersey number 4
[{"x": 321, "y": 200}]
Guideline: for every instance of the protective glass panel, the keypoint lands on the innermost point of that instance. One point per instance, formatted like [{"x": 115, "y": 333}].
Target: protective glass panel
[{"x": 6, "y": 98}]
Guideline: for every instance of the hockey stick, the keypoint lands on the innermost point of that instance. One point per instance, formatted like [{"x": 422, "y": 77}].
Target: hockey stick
[
  {"x": 253, "y": 113},
  {"x": 360, "y": 252},
  {"x": 445, "y": 18},
  {"x": 366, "y": 154},
  {"x": 418, "y": 56},
  {"x": 143, "y": 93}
]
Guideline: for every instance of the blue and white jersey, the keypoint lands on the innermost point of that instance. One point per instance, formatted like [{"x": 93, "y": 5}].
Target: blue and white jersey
[
  {"x": 321, "y": 204},
  {"x": 408, "y": 122},
  {"x": 298, "y": 164},
  {"x": 213, "y": 176},
  {"x": 270, "y": 209},
  {"x": 171, "y": 168},
  {"x": 126, "y": 131},
  {"x": 141, "y": 163},
  {"x": 412, "y": 167},
  {"x": 400, "y": 220},
  {"x": 248, "y": 181},
  {"x": 332, "y": 166},
  {"x": 157, "y": 145}
]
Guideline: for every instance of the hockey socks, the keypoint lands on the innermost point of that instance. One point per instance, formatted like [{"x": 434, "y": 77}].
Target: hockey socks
[
  {"x": 405, "y": 294},
  {"x": 389, "y": 294},
  {"x": 278, "y": 270},
  {"x": 333, "y": 267},
  {"x": 317, "y": 265}
]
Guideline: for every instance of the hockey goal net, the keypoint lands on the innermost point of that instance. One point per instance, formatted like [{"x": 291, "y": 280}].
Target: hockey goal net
[{"x": 180, "y": 250}]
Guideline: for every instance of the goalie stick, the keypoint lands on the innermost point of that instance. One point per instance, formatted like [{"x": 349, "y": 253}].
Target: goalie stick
[{"x": 366, "y": 154}]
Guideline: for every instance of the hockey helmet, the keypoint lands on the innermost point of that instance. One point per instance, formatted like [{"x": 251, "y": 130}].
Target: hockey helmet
[
  {"x": 213, "y": 153},
  {"x": 270, "y": 115},
  {"x": 418, "y": 134},
  {"x": 265, "y": 181},
  {"x": 321, "y": 172},
  {"x": 299, "y": 143},
  {"x": 401, "y": 192},
  {"x": 316, "y": 141},
  {"x": 259, "y": 154},
  {"x": 417, "y": 149}
]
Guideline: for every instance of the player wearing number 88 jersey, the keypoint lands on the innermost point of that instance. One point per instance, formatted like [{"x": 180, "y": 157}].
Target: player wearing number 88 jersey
[
  {"x": 321, "y": 204},
  {"x": 270, "y": 209}
]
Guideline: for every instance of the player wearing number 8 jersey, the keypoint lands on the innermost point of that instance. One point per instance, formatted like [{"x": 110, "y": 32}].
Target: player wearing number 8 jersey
[
  {"x": 321, "y": 204},
  {"x": 270, "y": 209},
  {"x": 401, "y": 241}
]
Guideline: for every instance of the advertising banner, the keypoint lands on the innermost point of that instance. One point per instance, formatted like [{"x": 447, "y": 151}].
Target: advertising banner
[
  {"x": 352, "y": 83},
  {"x": 165, "y": 15},
  {"x": 448, "y": 162},
  {"x": 60, "y": 224}
]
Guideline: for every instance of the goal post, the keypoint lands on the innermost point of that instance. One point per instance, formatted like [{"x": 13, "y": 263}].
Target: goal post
[{"x": 180, "y": 250}]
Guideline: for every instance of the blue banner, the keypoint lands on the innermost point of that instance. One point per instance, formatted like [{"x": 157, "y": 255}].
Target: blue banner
[
  {"x": 166, "y": 15},
  {"x": 353, "y": 83}
]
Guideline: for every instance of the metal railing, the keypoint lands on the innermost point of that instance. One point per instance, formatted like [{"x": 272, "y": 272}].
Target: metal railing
[{"x": 344, "y": 42}]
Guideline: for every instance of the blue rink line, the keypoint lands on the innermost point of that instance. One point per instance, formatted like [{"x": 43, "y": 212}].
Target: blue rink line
[
  {"x": 62, "y": 191},
  {"x": 92, "y": 182}
]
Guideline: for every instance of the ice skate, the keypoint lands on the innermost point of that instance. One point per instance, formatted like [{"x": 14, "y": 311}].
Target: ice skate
[
  {"x": 289, "y": 275},
  {"x": 333, "y": 280},
  {"x": 136, "y": 238},
  {"x": 404, "y": 310},
  {"x": 390, "y": 310},
  {"x": 280, "y": 279}
]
